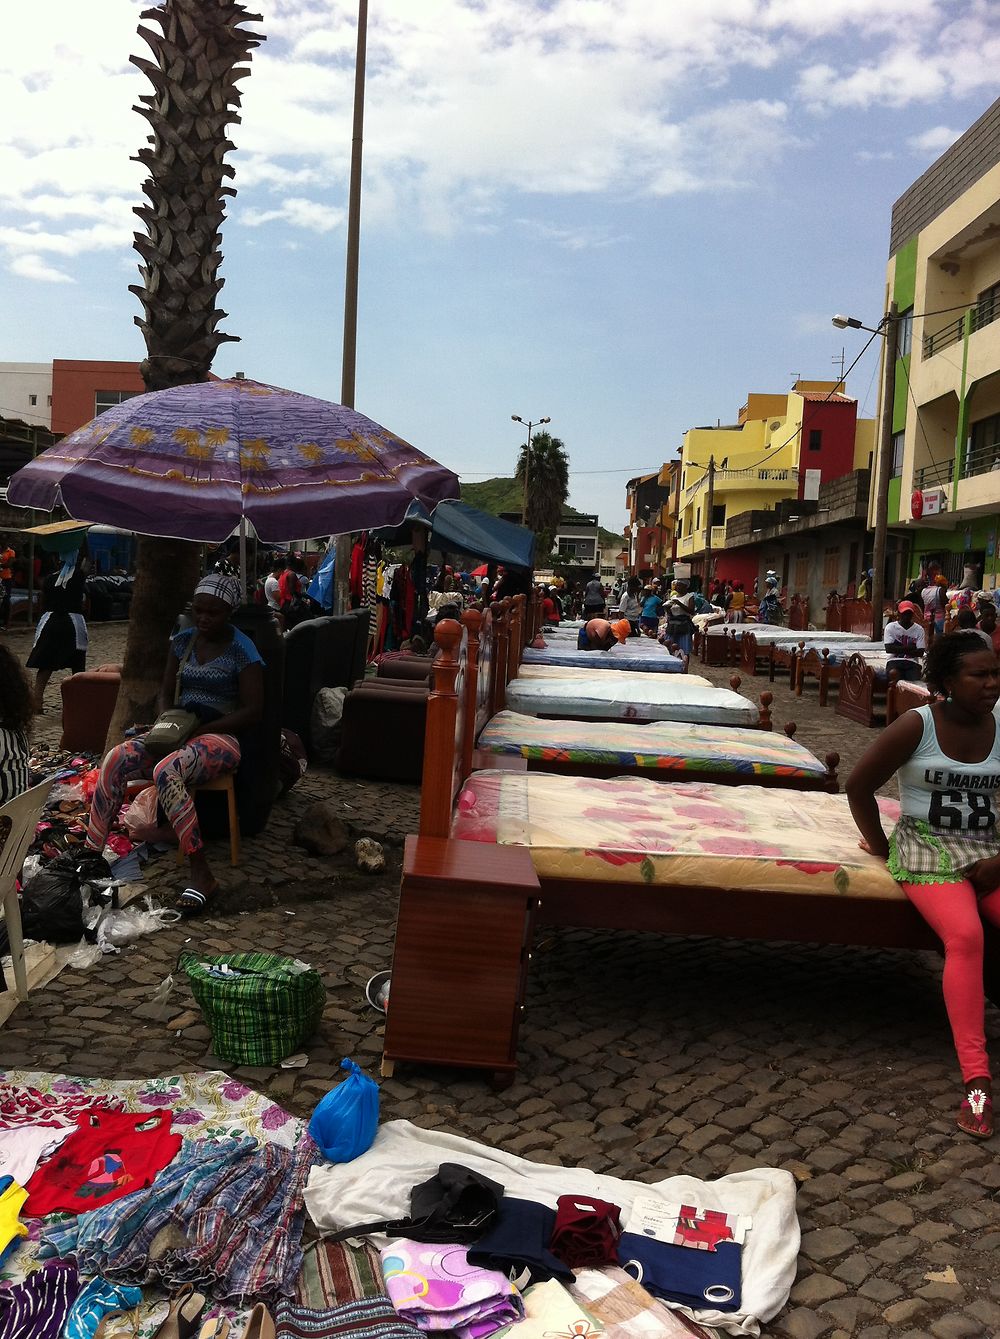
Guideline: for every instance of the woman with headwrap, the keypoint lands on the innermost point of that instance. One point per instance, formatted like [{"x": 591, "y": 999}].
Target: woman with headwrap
[
  {"x": 61, "y": 637},
  {"x": 222, "y": 682}
]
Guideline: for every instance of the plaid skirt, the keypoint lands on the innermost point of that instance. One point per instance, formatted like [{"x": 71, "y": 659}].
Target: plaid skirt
[{"x": 919, "y": 853}]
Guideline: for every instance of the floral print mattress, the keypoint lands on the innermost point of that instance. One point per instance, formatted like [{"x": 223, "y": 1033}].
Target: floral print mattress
[
  {"x": 627, "y": 698},
  {"x": 637, "y": 654},
  {"x": 671, "y": 746},
  {"x": 633, "y": 830}
]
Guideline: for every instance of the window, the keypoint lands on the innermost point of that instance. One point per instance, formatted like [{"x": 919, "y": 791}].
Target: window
[
  {"x": 831, "y": 567},
  {"x": 108, "y": 399},
  {"x": 719, "y": 514},
  {"x": 815, "y": 439},
  {"x": 983, "y": 451},
  {"x": 898, "y": 442},
  {"x": 904, "y": 332},
  {"x": 987, "y": 307},
  {"x": 48, "y": 401},
  {"x": 680, "y": 527},
  {"x": 32, "y": 399}
]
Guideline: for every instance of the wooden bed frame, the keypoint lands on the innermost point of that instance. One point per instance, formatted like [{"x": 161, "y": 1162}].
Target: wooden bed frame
[
  {"x": 863, "y": 696},
  {"x": 775, "y": 657},
  {"x": 904, "y": 695},
  {"x": 468, "y": 911}
]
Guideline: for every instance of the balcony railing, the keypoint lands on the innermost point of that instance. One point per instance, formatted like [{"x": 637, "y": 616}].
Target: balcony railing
[
  {"x": 932, "y": 476},
  {"x": 981, "y": 460},
  {"x": 983, "y": 314},
  {"x": 749, "y": 478}
]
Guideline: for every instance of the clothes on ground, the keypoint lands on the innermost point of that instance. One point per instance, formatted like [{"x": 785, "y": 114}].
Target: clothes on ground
[
  {"x": 12, "y": 1197},
  {"x": 695, "y": 1279},
  {"x": 370, "y": 1318},
  {"x": 109, "y": 1154},
  {"x": 30, "y": 1105},
  {"x": 518, "y": 1244},
  {"x": 237, "y": 1205},
  {"x": 627, "y": 1310},
  {"x": 37, "y": 1307},
  {"x": 22, "y": 1149},
  {"x": 586, "y": 1231},
  {"x": 438, "y": 1289},
  {"x": 336, "y": 1272},
  {"x": 202, "y": 758},
  {"x": 213, "y": 684},
  {"x": 99, "y": 1298},
  {"x": 948, "y": 811},
  {"x": 552, "y": 1312},
  {"x": 14, "y": 774}
]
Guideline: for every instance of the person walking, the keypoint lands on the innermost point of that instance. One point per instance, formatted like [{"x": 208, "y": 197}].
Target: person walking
[
  {"x": 945, "y": 850},
  {"x": 593, "y": 598},
  {"x": 61, "y": 636}
]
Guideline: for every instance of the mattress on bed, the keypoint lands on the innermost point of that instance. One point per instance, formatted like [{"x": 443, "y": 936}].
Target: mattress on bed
[
  {"x": 568, "y": 672},
  {"x": 625, "y": 698},
  {"x": 634, "y": 830},
  {"x": 673, "y": 745},
  {"x": 786, "y": 637},
  {"x": 648, "y": 656}
]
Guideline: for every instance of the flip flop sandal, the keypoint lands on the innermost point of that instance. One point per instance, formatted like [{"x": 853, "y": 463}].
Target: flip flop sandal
[
  {"x": 975, "y": 1115},
  {"x": 193, "y": 901},
  {"x": 182, "y": 1315},
  {"x": 216, "y": 1327}
]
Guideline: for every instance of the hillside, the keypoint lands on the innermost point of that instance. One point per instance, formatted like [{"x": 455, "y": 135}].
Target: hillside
[{"x": 497, "y": 495}]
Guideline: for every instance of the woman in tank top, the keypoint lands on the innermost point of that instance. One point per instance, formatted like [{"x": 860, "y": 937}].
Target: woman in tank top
[{"x": 945, "y": 848}]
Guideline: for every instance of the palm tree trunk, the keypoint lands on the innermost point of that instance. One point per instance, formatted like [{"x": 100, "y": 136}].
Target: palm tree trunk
[{"x": 198, "y": 57}]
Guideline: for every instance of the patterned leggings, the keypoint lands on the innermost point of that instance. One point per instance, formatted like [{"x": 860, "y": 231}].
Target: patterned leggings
[
  {"x": 203, "y": 758},
  {"x": 956, "y": 915}
]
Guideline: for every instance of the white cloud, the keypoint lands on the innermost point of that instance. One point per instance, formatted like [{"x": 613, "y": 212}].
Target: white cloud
[
  {"x": 580, "y": 238},
  {"x": 300, "y": 213},
  {"x": 28, "y": 266},
  {"x": 933, "y": 141}
]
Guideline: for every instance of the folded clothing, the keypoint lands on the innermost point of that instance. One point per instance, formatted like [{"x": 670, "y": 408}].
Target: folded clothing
[
  {"x": 586, "y": 1231},
  {"x": 551, "y": 1313},
  {"x": 702, "y": 1280},
  {"x": 436, "y": 1288},
  {"x": 370, "y": 1318},
  {"x": 518, "y": 1244},
  {"x": 37, "y": 1307},
  {"x": 12, "y": 1197},
  {"x": 99, "y": 1298},
  {"x": 627, "y": 1310}
]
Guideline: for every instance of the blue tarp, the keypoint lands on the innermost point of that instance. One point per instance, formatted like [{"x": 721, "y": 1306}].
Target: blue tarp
[{"x": 460, "y": 529}]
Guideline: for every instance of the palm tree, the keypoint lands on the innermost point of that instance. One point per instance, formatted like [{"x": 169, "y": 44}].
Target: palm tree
[
  {"x": 199, "y": 54},
  {"x": 548, "y": 488}
]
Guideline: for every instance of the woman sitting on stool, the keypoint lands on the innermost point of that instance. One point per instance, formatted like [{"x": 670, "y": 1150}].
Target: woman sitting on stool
[{"x": 222, "y": 682}]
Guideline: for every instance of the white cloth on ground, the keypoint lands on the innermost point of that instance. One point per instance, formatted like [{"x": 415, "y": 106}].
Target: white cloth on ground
[
  {"x": 22, "y": 1149},
  {"x": 377, "y": 1186}
]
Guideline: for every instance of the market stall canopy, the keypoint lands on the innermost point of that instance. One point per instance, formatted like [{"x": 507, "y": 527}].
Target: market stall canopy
[
  {"x": 193, "y": 461},
  {"x": 458, "y": 528}
]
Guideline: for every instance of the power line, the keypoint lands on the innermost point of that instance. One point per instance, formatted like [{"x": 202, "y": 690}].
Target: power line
[{"x": 490, "y": 474}]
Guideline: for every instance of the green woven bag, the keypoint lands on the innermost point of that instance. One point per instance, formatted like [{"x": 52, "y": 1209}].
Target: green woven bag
[{"x": 262, "y": 1014}]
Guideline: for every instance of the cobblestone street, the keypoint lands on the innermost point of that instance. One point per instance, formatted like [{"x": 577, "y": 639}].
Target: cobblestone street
[{"x": 640, "y": 1055}]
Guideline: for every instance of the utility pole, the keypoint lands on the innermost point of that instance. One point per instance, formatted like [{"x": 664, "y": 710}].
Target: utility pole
[
  {"x": 889, "y": 328},
  {"x": 709, "y": 508},
  {"x": 342, "y": 553},
  {"x": 529, "y": 424}
]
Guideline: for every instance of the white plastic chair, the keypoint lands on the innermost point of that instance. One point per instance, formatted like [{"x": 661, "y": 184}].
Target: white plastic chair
[{"x": 18, "y": 820}]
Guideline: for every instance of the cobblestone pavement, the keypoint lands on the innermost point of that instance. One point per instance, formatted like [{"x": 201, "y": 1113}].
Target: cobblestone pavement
[{"x": 640, "y": 1056}]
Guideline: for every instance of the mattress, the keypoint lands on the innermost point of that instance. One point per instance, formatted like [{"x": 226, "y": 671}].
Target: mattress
[
  {"x": 626, "y": 698},
  {"x": 672, "y": 746},
  {"x": 633, "y": 830},
  {"x": 769, "y": 636},
  {"x": 641, "y": 655},
  {"x": 568, "y": 672}
]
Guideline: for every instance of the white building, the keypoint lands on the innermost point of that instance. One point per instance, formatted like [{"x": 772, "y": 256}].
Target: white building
[{"x": 26, "y": 393}]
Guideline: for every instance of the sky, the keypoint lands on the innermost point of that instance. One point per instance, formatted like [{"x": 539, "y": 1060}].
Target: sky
[{"x": 620, "y": 214}]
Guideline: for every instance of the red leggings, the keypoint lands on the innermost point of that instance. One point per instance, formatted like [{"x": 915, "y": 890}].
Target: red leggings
[{"x": 956, "y": 914}]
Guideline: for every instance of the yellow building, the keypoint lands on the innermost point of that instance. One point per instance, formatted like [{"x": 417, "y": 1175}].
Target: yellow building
[
  {"x": 944, "y": 276},
  {"x": 781, "y": 447}
]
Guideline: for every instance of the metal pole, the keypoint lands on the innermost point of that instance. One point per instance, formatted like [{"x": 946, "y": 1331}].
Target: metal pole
[
  {"x": 889, "y": 324},
  {"x": 243, "y": 556},
  {"x": 709, "y": 507},
  {"x": 527, "y": 472},
  {"x": 342, "y": 547}
]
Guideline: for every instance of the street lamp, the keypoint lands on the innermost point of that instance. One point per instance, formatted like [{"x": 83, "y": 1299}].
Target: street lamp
[
  {"x": 516, "y": 418},
  {"x": 887, "y": 328}
]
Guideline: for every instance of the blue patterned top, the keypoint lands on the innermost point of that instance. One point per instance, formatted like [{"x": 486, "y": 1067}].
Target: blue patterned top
[{"x": 215, "y": 685}]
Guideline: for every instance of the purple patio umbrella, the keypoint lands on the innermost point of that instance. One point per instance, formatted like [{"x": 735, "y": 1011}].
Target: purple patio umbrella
[{"x": 192, "y": 461}]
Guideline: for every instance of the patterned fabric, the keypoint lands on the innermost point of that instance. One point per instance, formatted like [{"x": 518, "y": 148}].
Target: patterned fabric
[
  {"x": 335, "y": 1272},
  {"x": 919, "y": 853},
  {"x": 551, "y": 1312},
  {"x": 374, "y": 1318},
  {"x": 216, "y": 684},
  {"x": 626, "y": 697},
  {"x": 38, "y": 1307},
  {"x": 663, "y": 746},
  {"x": 628, "y": 656},
  {"x": 199, "y": 760},
  {"x": 220, "y": 587},
  {"x": 98, "y": 1299},
  {"x": 627, "y": 1310},
  {"x": 438, "y": 1289},
  {"x": 262, "y": 1010},
  {"x": 237, "y": 1205},
  {"x": 633, "y": 830},
  {"x": 14, "y": 774}
]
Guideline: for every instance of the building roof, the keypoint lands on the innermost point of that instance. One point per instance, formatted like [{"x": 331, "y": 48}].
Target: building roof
[{"x": 814, "y": 397}]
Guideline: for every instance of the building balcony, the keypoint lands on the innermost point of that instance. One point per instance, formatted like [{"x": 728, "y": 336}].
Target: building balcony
[
  {"x": 982, "y": 315},
  {"x": 934, "y": 476},
  {"x": 765, "y": 480},
  {"x": 691, "y": 545}
]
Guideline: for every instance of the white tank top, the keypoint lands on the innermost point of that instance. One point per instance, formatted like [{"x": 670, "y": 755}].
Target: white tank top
[{"x": 950, "y": 795}]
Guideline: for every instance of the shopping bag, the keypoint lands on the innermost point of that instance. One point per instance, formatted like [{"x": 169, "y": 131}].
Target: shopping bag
[{"x": 345, "y": 1122}]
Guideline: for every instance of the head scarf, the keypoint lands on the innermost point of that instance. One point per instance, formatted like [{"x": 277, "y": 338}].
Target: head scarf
[{"x": 221, "y": 587}]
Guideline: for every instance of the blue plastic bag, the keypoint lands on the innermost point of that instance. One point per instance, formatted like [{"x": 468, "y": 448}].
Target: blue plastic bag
[{"x": 345, "y": 1121}]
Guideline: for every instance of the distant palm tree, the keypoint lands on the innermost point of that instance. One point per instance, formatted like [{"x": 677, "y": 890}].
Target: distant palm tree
[
  {"x": 199, "y": 55},
  {"x": 548, "y": 488}
]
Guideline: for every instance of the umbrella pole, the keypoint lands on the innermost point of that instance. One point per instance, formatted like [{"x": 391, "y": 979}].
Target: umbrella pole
[{"x": 243, "y": 555}]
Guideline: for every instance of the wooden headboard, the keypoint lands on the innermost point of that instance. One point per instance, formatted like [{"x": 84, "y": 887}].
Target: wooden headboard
[{"x": 446, "y": 727}]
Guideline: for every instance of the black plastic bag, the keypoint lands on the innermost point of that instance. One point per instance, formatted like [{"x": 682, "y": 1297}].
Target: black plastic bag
[{"x": 52, "y": 903}]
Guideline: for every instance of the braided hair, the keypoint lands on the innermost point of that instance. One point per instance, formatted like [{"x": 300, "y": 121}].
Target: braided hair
[{"x": 945, "y": 657}]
